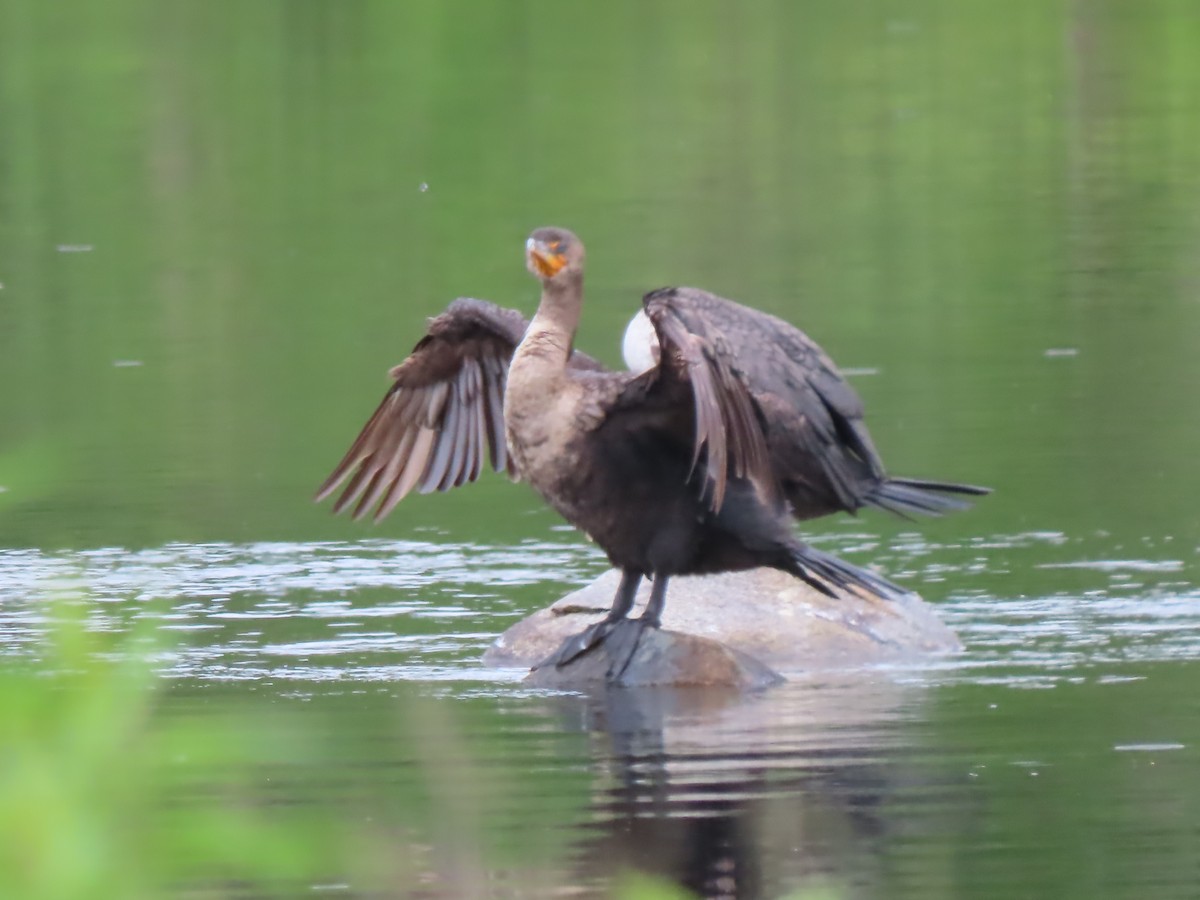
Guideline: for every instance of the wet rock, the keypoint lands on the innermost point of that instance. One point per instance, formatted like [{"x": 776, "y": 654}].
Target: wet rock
[
  {"x": 768, "y": 615},
  {"x": 661, "y": 658}
]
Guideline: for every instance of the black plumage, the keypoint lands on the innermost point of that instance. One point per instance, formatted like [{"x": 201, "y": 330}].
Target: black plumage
[{"x": 820, "y": 448}]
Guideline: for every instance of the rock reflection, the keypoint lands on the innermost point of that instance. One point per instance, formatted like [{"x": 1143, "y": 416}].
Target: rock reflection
[{"x": 735, "y": 796}]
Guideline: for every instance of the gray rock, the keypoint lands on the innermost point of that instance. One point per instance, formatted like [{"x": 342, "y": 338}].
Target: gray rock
[
  {"x": 768, "y": 615},
  {"x": 661, "y": 658}
]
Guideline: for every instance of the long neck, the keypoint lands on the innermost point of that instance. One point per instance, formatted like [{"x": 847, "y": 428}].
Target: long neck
[{"x": 552, "y": 331}]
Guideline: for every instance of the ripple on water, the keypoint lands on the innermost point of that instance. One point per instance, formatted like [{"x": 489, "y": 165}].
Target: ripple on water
[
  {"x": 381, "y": 610},
  {"x": 273, "y": 610}
]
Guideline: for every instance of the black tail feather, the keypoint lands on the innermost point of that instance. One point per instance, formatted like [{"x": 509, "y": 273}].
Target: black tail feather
[
  {"x": 906, "y": 497},
  {"x": 829, "y": 570}
]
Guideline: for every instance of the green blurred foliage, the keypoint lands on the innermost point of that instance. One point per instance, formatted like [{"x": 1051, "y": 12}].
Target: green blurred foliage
[
  {"x": 116, "y": 782},
  {"x": 636, "y": 886},
  {"x": 102, "y": 797}
]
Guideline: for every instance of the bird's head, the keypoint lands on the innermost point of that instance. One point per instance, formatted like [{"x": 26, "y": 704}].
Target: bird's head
[{"x": 553, "y": 254}]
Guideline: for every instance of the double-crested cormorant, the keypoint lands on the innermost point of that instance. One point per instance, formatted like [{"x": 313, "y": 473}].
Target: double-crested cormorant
[{"x": 692, "y": 466}]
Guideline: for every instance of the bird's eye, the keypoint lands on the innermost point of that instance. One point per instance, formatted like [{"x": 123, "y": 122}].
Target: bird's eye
[{"x": 556, "y": 247}]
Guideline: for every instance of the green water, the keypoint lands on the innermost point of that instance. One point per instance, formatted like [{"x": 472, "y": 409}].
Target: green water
[{"x": 221, "y": 223}]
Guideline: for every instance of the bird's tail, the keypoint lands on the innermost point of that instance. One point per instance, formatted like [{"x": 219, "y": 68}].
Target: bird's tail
[
  {"x": 907, "y": 497},
  {"x": 823, "y": 570}
]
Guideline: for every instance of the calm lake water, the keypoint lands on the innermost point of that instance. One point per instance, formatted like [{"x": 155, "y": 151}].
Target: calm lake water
[{"x": 220, "y": 224}]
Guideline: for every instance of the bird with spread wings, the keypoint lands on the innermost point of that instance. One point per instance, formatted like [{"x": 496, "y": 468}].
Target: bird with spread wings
[{"x": 736, "y": 424}]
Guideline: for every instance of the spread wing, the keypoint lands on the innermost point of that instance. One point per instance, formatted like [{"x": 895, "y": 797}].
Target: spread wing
[
  {"x": 442, "y": 417},
  {"x": 697, "y": 369},
  {"x": 815, "y": 418}
]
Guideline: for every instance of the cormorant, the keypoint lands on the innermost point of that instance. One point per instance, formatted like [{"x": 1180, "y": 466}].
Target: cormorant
[{"x": 694, "y": 465}]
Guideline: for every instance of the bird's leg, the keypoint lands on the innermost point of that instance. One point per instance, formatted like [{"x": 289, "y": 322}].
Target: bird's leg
[
  {"x": 624, "y": 642},
  {"x": 652, "y": 614},
  {"x": 577, "y": 645}
]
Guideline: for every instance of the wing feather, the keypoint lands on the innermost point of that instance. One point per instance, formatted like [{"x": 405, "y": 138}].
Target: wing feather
[
  {"x": 442, "y": 420},
  {"x": 445, "y": 404},
  {"x": 494, "y": 412},
  {"x": 470, "y": 380},
  {"x": 386, "y": 473},
  {"x": 728, "y": 436},
  {"x": 369, "y": 486},
  {"x": 817, "y": 435},
  {"x": 458, "y": 447},
  {"x": 398, "y": 489},
  {"x": 446, "y": 437},
  {"x": 478, "y": 439},
  {"x": 418, "y": 460}
]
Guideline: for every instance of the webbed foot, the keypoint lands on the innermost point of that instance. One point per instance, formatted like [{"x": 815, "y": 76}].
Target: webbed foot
[
  {"x": 578, "y": 644},
  {"x": 618, "y": 638},
  {"x": 622, "y": 644}
]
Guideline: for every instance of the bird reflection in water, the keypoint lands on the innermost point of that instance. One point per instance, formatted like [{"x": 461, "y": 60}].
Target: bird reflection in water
[{"x": 730, "y": 796}]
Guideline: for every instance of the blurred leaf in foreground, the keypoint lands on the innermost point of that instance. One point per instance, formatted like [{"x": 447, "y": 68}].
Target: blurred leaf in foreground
[{"x": 102, "y": 795}]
